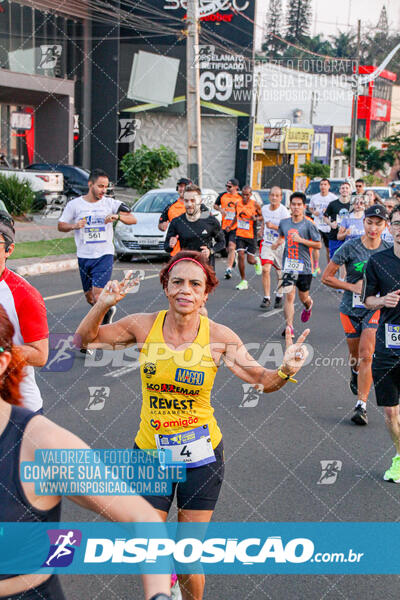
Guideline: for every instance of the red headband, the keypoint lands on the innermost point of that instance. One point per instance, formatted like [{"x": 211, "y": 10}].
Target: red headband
[{"x": 192, "y": 260}]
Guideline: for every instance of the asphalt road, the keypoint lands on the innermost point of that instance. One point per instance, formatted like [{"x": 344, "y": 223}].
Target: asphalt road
[{"x": 273, "y": 449}]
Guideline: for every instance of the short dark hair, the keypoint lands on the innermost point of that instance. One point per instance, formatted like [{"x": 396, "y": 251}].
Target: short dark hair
[
  {"x": 360, "y": 180},
  {"x": 299, "y": 195},
  {"x": 192, "y": 187},
  {"x": 396, "y": 209},
  {"x": 247, "y": 187},
  {"x": 96, "y": 173},
  {"x": 325, "y": 179}
]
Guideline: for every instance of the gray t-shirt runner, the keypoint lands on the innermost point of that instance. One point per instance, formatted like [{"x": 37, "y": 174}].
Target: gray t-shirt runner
[
  {"x": 296, "y": 257},
  {"x": 354, "y": 255}
]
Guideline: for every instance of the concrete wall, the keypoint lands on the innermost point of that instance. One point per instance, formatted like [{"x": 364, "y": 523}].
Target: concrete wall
[
  {"x": 218, "y": 143},
  {"x": 53, "y": 128}
]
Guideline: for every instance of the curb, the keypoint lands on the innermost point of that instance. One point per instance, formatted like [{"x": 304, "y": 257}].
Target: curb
[{"x": 54, "y": 266}]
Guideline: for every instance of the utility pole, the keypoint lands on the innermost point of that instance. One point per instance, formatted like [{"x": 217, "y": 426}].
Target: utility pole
[
  {"x": 193, "y": 116},
  {"x": 353, "y": 149}
]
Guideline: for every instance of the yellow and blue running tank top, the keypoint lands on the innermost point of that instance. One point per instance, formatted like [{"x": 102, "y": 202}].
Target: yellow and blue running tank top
[{"x": 176, "y": 386}]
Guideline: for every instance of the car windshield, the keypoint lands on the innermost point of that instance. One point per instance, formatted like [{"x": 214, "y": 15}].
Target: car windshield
[
  {"x": 264, "y": 195},
  {"x": 382, "y": 192},
  {"x": 154, "y": 202},
  {"x": 313, "y": 187}
]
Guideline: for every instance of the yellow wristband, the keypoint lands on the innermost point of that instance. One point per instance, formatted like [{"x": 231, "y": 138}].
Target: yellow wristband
[{"x": 283, "y": 375}]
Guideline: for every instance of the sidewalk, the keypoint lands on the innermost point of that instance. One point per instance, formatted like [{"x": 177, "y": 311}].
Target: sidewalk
[{"x": 41, "y": 228}]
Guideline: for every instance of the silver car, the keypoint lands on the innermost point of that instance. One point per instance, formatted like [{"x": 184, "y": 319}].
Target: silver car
[
  {"x": 144, "y": 237},
  {"x": 262, "y": 196}
]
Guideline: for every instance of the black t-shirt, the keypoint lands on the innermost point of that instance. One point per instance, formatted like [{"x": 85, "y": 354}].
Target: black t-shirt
[
  {"x": 336, "y": 210},
  {"x": 194, "y": 234},
  {"x": 382, "y": 276}
]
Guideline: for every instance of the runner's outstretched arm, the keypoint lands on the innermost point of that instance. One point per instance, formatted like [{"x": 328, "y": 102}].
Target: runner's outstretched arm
[
  {"x": 118, "y": 335},
  {"x": 244, "y": 366}
]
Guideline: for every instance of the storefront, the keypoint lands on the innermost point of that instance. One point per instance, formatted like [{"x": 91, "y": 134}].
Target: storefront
[
  {"x": 40, "y": 84},
  {"x": 297, "y": 145}
]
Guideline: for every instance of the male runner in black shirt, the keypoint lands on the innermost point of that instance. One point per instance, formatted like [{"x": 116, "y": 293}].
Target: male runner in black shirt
[
  {"x": 195, "y": 229},
  {"x": 382, "y": 276}
]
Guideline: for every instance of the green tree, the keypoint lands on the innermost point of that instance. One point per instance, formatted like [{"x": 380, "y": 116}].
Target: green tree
[
  {"x": 369, "y": 158},
  {"x": 298, "y": 20},
  {"x": 344, "y": 45},
  {"x": 315, "y": 169},
  {"x": 146, "y": 168},
  {"x": 272, "y": 45}
]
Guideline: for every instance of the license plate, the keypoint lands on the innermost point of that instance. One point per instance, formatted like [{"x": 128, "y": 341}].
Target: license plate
[{"x": 147, "y": 241}]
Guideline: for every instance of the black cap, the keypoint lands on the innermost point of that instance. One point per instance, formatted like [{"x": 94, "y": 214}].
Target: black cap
[
  {"x": 234, "y": 181},
  {"x": 184, "y": 180},
  {"x": 377, "y": 210}
]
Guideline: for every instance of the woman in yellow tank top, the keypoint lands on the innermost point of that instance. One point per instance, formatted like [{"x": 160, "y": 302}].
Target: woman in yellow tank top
[{"x": 180, "y": 351}]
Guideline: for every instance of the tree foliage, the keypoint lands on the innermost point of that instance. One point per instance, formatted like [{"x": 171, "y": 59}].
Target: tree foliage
[
  {"x": 298, "y": 21},
  {"x": 272, "y": 45},
  {"x": 369, "y": 158},
  {"x": 17, "y": 195},
  {"x": 315, "y": 169},
  {"x": 146, "y": 168}
]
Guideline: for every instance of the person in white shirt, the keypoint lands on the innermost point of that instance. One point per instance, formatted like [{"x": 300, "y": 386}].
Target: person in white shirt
[
  {"x": 91, "y": 217},
  {"x": 317, "y": 206},
  {"x": 272, "y": 214}
]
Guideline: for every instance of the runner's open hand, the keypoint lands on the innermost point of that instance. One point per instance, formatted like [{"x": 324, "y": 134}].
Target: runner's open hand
[{"x": 296, "y": 353}]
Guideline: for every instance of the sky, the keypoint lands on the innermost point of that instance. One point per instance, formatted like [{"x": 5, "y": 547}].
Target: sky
[{"x": 329, "y": 16}]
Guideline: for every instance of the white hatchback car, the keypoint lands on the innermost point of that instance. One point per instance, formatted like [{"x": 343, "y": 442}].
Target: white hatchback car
[{"x": 144, "y": 237}]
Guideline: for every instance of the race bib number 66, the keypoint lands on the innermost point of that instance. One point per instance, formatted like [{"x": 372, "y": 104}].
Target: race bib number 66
[{"x": 392, "y": 336}]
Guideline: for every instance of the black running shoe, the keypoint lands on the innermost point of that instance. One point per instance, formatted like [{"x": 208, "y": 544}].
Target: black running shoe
[
  {"x": 87, "y": 351},
  {"x": 284, "y": 332},
  {"x": 354, "y": 382},
  {"x": 278, "y": 302},
  {"x": 265, "y": 304},
  {"x": 228, "y": 273},
  {"x": 360, "y": 416}
]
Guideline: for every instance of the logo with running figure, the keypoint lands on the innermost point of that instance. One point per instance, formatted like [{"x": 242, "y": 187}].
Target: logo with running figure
[
  {"x": 97, "y": 397},
  {"x": 330, "y": 471},
  {"x": 62, "y": 352},
  {"x": 251, "y": 395},
  {"x": 62, "y": 547}
]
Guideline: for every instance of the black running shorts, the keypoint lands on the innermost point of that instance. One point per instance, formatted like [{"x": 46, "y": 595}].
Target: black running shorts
[
  {"x": 386, "y": 382},
  {"x": 201, "y": 489}
]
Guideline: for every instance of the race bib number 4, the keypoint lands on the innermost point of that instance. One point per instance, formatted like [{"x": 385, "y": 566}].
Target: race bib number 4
[
  {"x": 292, "y": 264},
  {"x": 191, "y": 447},
  {"x": 243, "y": 224},
  {"x": 392, "y": 336},
  {"x": 94, "y": 235},
  {"x": 229, "y": 216}
]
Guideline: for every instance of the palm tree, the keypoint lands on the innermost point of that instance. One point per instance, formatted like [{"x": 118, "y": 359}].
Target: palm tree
[{"x": 344, "y": 44}]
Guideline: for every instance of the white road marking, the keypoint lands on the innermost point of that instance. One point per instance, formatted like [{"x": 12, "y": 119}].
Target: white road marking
[
  {"x": 271, "y": 313},
  {"x": 81, "y": 291},
  {"x": 122, "y": 371}
]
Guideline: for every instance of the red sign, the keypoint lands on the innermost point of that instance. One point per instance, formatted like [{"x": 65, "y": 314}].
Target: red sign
[{"x": 374, "y": 109}]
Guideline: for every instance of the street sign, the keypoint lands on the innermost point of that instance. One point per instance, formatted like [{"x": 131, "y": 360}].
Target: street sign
[{"x": 21, "y": 120}]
